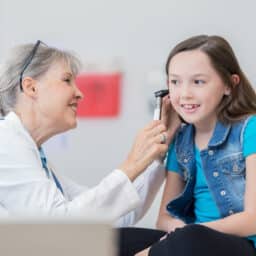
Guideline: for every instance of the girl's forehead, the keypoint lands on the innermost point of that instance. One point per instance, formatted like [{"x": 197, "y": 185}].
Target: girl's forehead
[{"x": 194, "y": 61}]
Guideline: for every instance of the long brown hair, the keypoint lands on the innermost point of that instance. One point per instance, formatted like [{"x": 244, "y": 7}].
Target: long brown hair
[{"x": 242, "y": 100}]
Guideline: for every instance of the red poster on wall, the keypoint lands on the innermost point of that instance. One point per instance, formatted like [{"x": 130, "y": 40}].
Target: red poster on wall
[{"x": 101, "y": 94}]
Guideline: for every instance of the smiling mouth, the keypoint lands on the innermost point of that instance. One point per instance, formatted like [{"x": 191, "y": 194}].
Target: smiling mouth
[
  {"x": 190, "y": 108},
  {"x": 74, "y": 107}
]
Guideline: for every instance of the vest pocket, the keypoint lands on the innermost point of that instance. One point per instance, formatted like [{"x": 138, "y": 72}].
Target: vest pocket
[{"x": 233, "y": 165}]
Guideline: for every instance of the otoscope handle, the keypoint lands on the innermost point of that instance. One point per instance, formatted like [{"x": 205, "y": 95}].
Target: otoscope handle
[{"x": 159, "y": 96}]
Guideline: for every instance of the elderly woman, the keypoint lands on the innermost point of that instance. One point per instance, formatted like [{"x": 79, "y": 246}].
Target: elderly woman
[{"x": 38, "y": 99}]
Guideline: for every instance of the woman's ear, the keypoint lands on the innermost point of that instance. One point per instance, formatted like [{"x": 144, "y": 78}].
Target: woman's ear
[{"x": 29, "y": 87}]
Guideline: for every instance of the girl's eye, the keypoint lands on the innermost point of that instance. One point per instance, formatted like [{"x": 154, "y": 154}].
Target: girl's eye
[
  {"x": 174, "y": 81},
  {"x": 199, "y": 81}
]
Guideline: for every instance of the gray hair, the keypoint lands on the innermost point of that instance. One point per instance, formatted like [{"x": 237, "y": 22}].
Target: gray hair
[{"x": 10, "y": 71}]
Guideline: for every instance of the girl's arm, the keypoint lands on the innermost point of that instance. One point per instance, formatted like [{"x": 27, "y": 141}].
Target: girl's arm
[
  {"x": 173, "y": 187},
  {"x": 243, "y": 223}
]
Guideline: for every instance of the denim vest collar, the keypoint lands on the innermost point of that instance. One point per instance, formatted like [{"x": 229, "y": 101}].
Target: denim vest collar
[{"x": 220, "y": 134}]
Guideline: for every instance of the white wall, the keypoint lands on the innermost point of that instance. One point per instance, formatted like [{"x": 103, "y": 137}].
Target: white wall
[{"x": 140, "y": 33}]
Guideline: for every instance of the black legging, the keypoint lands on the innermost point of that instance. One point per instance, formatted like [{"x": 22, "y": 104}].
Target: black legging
[{"x": 192, "y": 240}]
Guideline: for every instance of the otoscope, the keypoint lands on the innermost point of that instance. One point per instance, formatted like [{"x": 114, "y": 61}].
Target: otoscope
[{"x": 158, "y": 105}]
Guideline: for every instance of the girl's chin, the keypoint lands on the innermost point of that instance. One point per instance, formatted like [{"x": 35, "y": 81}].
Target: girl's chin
[
  {"x": 188, "y": 120},
  {"x": 184, "y": 118}
]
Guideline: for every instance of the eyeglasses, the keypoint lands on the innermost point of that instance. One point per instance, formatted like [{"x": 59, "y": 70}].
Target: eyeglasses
[{"x": 28, "y": 60}]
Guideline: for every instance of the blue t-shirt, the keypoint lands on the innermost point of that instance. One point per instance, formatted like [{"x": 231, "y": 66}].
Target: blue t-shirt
[{"x": 205, "y": 207}]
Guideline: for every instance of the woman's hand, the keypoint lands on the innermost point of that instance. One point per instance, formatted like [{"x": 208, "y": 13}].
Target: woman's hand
[
  {"x": 150, "y": 144},
  {"x": 170, "y": 118}
]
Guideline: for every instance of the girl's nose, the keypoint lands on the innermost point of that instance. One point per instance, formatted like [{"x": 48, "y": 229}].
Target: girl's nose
[{"x": 186, "y": 91}]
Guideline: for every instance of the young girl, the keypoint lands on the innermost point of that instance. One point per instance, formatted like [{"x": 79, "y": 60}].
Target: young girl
[{"x": 209, "y": 201}]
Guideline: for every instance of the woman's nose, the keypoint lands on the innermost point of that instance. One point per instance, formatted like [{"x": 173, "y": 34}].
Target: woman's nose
[{"x": 79, "y": 94}]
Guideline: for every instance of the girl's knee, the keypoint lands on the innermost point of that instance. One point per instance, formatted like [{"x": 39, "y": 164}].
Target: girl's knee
[
  {"x": 189, "y": 230},
  {"x": 190, "y": 234},
  {"x": 187, "y": 240}
]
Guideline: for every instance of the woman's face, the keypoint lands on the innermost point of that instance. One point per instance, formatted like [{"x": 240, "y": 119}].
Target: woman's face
[{"x": 58, "y": 97}]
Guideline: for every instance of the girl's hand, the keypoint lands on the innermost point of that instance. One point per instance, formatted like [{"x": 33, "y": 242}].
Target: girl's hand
[
  {"x": 170, "y": 118},
  {"x": 175, "y": 223},
  {"x": 143, "y": 253},
  {"x": 149, "y": 145}
]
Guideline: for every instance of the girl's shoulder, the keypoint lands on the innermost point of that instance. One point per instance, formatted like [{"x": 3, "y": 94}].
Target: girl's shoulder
[
  {"x": 248, "y": 137},
  {"x": 245, "y": 124},
  {"x": 251, "y": 119},
  {"x": 250, "y": 124}
]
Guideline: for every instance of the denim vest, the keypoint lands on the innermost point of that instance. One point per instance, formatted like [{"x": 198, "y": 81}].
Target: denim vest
[{"x": 223, "y": 165}]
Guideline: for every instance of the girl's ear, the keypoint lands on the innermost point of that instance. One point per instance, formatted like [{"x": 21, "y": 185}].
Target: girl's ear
[{"x": 235, "y": 79}]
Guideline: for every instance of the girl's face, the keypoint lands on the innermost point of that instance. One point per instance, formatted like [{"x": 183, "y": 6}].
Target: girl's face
[
  {"x": 195, "y": 87},
  {"x": 58, "y": 97}
]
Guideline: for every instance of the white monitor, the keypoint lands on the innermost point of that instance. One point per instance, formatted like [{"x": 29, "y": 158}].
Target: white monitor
[{"x": 56, "y": 238}]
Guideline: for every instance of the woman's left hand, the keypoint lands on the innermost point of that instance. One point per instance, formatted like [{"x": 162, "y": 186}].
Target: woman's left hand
[{"x": 149, "y": 145}]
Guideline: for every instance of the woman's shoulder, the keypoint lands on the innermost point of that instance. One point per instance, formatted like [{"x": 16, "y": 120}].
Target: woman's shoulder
[
  {"x": 12, "y": 131},
  {"x": 18, "y": 156},
  {"x": 8, "y": 135},
  {"x": 16, "y": 144}
]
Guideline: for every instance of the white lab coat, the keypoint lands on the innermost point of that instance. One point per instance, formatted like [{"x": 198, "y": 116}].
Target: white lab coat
[{"x": 26, "y": 190}]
